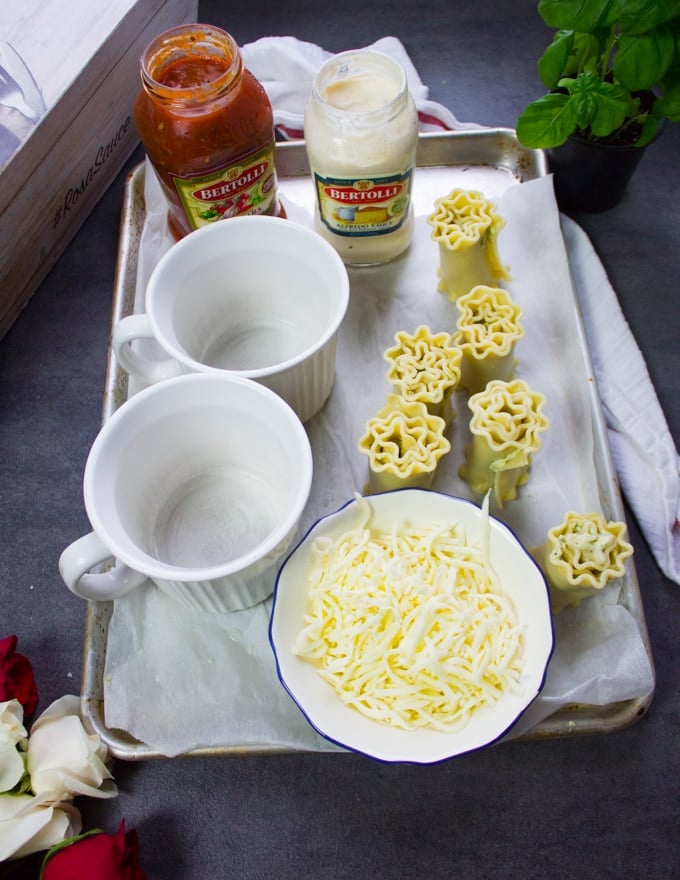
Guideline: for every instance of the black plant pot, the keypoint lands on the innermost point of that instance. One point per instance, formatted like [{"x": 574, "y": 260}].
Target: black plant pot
[{"x": 589, "y": 176}]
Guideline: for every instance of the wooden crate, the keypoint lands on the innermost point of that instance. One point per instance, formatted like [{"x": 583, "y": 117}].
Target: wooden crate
[{"x": 83, "y": 64}]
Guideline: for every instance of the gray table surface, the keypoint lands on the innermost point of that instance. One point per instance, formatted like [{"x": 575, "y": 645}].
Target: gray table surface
[{"x": 604, "y": 806}]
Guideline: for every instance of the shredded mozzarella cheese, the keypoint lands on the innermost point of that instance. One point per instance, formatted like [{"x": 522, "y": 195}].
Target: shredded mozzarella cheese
[{"x": 410, "y": 627}]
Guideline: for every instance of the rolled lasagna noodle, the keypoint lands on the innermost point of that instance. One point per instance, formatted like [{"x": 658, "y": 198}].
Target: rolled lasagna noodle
[
  {"x": 404, "y": 443},
  {"x": 506, "y": 424},
  {"x": 465, "y": 225},
  {"x": 487, "y": 329},
  {"x": 580, "y": 556},
  {"x": 425, "y": 367}
]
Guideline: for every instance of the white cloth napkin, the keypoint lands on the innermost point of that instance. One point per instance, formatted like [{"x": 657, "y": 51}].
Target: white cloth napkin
[
  {"x": 286, "y": 67},
  {"x": 644, "y": 454}
]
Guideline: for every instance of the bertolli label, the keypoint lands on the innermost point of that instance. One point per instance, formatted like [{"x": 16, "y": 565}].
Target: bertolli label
[
  {"x": 363, "y": 206},
  {"x": 246, "y": 186}
]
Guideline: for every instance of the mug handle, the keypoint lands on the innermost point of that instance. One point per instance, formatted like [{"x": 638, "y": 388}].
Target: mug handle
[
  {"x": 145, "y": 369},
  {"x": 86, "y": 553}
]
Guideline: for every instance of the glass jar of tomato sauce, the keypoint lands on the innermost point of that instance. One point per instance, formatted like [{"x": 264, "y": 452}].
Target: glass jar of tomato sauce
[{"x": 207, "y": 127}]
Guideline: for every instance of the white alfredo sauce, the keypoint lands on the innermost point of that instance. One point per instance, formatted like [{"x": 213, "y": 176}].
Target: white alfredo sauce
[{"x": 361, "y": 133}]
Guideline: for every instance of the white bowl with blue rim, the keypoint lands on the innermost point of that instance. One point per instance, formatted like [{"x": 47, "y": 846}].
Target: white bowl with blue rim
[{"x": 521, "y": 579}]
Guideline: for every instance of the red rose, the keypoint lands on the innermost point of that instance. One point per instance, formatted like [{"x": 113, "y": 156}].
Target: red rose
[
  {"x": 16, "y": 676},
  {"x": 96, "y": 855}
]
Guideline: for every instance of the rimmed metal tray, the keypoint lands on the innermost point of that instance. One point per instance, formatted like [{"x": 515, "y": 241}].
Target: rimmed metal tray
[{"x": 488, "y": 159}]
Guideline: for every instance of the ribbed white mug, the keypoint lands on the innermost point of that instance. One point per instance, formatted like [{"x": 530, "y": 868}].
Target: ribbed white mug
[
  {"x": 197, "y": 484},
  {"x": 254, "y": 296}
]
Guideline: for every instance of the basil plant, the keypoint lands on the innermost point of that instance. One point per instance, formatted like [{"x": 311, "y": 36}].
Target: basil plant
[{"x": 612, "y": 71}]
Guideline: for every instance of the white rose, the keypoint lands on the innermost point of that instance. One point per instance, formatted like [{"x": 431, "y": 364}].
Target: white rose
[
  {"x": 63, "y": 759},
  {"x": 29, "y": 824},
  {"x": 12, "y": 732}
]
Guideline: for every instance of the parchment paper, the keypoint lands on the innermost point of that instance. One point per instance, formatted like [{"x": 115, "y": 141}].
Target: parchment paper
[{"x": 180, "y": 680}]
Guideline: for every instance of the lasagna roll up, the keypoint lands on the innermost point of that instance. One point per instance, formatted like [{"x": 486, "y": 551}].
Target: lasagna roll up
[
  {"x": 425, "y": 367},
  {"x": 580, "y": 556},
  {"x": 404, "y": 443},
  {"x": 487, "y": 329},
  {"x": 506, "y": 424},
  {"x": 465, "y": 225}
]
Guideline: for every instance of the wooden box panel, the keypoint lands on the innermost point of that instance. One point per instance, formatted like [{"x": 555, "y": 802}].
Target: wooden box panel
[{"x": 82, "y": 60}]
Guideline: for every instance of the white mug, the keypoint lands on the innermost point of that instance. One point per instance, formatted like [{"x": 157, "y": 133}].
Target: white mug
[
  {"x": 255, "y": 296},
  {"x": 198, "y": 484}
]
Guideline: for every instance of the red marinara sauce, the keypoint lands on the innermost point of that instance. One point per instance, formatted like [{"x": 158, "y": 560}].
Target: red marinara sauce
[{"x": 207, "y": 127}]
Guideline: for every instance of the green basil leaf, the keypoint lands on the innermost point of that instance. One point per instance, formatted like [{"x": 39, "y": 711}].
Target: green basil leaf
[
  {"x": 552, "y": 63},
  {"x": 547, "y": 122},
  {"x": 585, "y": 83},
  {"x": 578, "y": 15},
  {"x": 640, "y": 16},
  {"x": 641, "y": 61},
  {"x": 613, "y": 106},
  {"x": 669, "y": 103},
  {"x": 650, "y": 127},
  {"x": 585, "y": 107},
  {"x": 586, "y": 52}
]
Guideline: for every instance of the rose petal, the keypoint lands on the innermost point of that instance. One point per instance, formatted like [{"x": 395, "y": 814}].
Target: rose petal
[
  {"x": 28, "y": 825},
  {"x": 12, "y": 734},
  {"x": 16, "y": 676},
  {"x": 63, "y": 758},
  {"x": 107, "y": 857}
]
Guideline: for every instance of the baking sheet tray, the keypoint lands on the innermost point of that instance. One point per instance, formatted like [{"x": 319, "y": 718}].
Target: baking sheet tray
[{"x": 490, "y": 160}]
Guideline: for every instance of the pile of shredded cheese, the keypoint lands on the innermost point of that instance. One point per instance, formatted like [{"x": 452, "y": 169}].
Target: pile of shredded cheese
[{"x": 410, "y": 627}]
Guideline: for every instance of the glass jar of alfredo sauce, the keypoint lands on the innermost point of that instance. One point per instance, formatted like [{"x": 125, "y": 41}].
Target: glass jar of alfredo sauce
[{"x": 361, "y": 133}]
